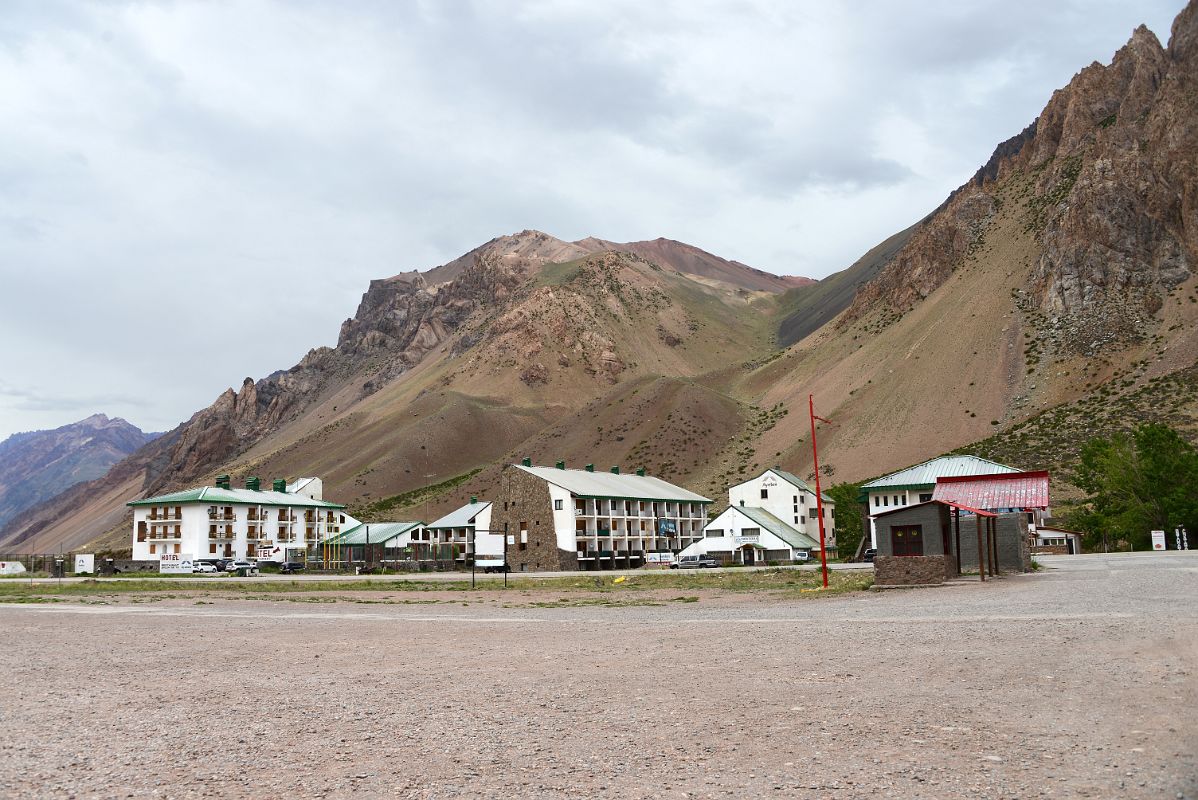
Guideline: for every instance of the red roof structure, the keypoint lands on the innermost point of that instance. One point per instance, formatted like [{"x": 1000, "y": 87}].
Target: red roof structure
[{"x": 1021, "y": 490}]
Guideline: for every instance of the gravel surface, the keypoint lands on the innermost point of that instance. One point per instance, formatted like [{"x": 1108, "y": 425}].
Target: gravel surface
[{"x": 1076, "y": 682}]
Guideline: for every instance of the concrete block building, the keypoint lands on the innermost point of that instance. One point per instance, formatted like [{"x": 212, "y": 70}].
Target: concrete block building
[
  {"x": 555, "y": 518},
  {"x": 220, "y": 522},
  {"x": 932, "y": 529}
]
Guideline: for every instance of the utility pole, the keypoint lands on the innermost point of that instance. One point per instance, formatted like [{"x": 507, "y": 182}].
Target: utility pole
[{"x": 819, "y": 496}]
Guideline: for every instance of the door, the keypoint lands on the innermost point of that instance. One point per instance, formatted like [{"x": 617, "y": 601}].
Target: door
[{"x": 906, "y": 540}]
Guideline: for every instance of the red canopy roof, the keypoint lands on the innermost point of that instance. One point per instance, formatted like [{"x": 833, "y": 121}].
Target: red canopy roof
[{"x": 999, "y": 490}]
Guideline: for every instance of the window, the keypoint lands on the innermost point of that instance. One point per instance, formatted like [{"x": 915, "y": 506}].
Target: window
[
  {"x": 907, "y": 540},
  {"x": 877, "y": 501},
  {"x": 904, "y": 499},
  {"x": 803, "y": 500},
  {"x": 765, "y": 494},
  {"x": 797, "y": 520},
  {"x": 896, "y": 499},
  {"x": 557, "y": 505},
  {"x": 925, "y": 497},
  {"x": 886, "y": 500},
  {"x": 714, "y": 533},
  {"x": 802, "y": 520}
]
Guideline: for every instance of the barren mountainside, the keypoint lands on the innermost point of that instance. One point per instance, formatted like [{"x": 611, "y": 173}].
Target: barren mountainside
[
  {"x": 38, "y": 465},
  {"x": 1054, "y": 288}
]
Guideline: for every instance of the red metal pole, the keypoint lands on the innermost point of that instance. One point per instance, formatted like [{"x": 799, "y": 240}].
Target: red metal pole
[{"x": 819, "y": 497}]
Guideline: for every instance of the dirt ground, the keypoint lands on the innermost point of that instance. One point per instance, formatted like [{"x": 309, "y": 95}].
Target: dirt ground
[{"x": 1075, "y": 682}]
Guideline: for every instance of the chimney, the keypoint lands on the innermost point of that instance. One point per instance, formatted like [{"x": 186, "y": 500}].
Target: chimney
[
  {"x": 560, "y": 465},
  {"x": 590, "y": 467},
  {"x": 473, "y": 499},
  {"x": 253, "y": 484},
  {"x": 641, "y": 472},
  {"x": 222, "y": 481},
  {"x": 526, "y": 461},
  {"x": 615, "y": 470},
  {"x": 742, "y": 503},
  {"x": 279, "y": 484}
]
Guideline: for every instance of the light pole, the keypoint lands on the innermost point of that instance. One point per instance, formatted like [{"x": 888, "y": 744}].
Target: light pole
[{"x": 819, "y": 496}]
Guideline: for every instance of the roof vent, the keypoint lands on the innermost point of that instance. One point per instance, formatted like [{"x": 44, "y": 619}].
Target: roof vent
[
  {"x": 641, "y": 472},
  {"x": 473, "y": 499},
  {"x": 590, "y": 467},
  {"x": 253, "y": 484},
  {"x": 615, "y": 470},
  {"x": 560, "y": 465},
  {"x": 222, "y": 481},
  {"x": 279, "y": 484},
  {"x": 526, "y": 461}
]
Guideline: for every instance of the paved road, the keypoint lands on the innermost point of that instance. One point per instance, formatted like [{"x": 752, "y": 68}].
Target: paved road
[
  {"x": 426, "y": 576},
  {"x": 1079, "y": 681}
]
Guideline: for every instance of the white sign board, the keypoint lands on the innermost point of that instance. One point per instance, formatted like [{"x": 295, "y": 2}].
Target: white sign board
[
  {"x": 175, "y": 564},
  {"x": 85, "y": 563},
  {"x": 11, "y": 567},
  {"x": 659, "y": 558},
  {"x": 1158, "y": 540}
]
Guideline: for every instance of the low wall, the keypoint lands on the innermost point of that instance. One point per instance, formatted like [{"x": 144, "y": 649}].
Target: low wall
[{"x": 912, "y": 570}]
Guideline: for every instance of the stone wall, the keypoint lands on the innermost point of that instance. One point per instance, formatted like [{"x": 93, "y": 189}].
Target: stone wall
[
  {"x": 913, "y": 570},
  {"x": 1051, "y": 549},
  {"x": 523, "y": 501}
]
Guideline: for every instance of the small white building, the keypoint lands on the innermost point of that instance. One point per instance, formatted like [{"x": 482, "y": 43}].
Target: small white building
[
  {"x": 791, "y": 500},
  {"x": 750, "y": 535},
  {"x": 219, "y": 522},
  {"x": 1051, "y": 540},
  {"x": 459, "y": 534},
  {"x": 917, "y": 484}
]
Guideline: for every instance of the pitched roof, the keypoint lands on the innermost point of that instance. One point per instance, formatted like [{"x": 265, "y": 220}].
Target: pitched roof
[
  {"x": 217, "y": 496},
  {"x": 901, "y": 509},
  {"x": 925, "y": 474},
  {"x": 1001, "y": 490},
  {"x": 794, "y": 480},
  {"x": 777, "y": 527},
  {"x": 462, "y": 517},
  {"x": 376, "y": 532},
  {"x": 608, "y": 484}
]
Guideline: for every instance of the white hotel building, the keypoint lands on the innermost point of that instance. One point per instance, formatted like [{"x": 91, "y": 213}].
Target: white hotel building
[{"x": 219, "y": 522}]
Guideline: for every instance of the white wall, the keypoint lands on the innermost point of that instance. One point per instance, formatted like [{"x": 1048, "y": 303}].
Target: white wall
[{"x": 782, "y": 498}]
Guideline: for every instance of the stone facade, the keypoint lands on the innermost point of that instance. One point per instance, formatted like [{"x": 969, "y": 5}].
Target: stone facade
[
  {"x": 933, "y": 518},
  {"x": 523, "y": 504},
  {"x": 913, "y": 570}
]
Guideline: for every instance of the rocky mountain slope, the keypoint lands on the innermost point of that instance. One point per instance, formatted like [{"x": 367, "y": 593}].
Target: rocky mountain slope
[
  {"x": 1056, "y": 283},
  {"x": 38, "y": 465}
]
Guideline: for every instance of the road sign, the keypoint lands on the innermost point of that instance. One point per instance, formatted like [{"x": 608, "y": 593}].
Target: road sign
[{"x": 175, "y": 564}]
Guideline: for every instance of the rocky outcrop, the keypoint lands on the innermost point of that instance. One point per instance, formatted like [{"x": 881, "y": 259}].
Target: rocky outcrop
[{"x": 1106, "y": 179}]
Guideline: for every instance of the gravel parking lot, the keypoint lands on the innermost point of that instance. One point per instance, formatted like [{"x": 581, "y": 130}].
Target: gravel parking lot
[{"x": 1075, "y": 682}]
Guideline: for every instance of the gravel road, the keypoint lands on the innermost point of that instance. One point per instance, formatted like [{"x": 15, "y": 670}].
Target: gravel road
[{"x": 1076, "y": 682}]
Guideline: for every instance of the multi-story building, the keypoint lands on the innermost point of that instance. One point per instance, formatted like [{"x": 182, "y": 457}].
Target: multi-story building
[
  {"x": 458, "y": 535},
  {"x": 212, "y": 522},
  {"x": 557, "y": 518},
  {"x": 791, "y": 500}
]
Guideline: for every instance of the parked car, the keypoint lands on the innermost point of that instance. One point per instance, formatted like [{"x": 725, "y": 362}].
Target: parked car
[
  {"x": 493, "y": 565},
  {"x": 246, "y": 567},
  {"x": 291, "y": 567},
  {"x": 694, "y": 562},
  {"x": 802, "y": 555},
  {"x": 869, "y": 556},
  {"x": 203, "y": 567}
]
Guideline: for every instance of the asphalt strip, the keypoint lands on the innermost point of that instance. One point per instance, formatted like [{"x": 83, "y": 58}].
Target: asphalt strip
[{"x": 671, "y": 618}]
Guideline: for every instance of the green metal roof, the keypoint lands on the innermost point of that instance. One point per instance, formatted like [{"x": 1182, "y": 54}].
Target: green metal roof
[
  {"x": 214, "y": 495},
  {"x": 786, "y": 533},
  {"x": 376, "y": 532}
]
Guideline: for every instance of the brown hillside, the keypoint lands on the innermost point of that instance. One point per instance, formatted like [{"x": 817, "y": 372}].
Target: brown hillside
[{"x": 1053, "y": 285}]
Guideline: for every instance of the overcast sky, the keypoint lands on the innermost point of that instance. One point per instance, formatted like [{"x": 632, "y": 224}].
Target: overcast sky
[{"x": 196, "y": 192}]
